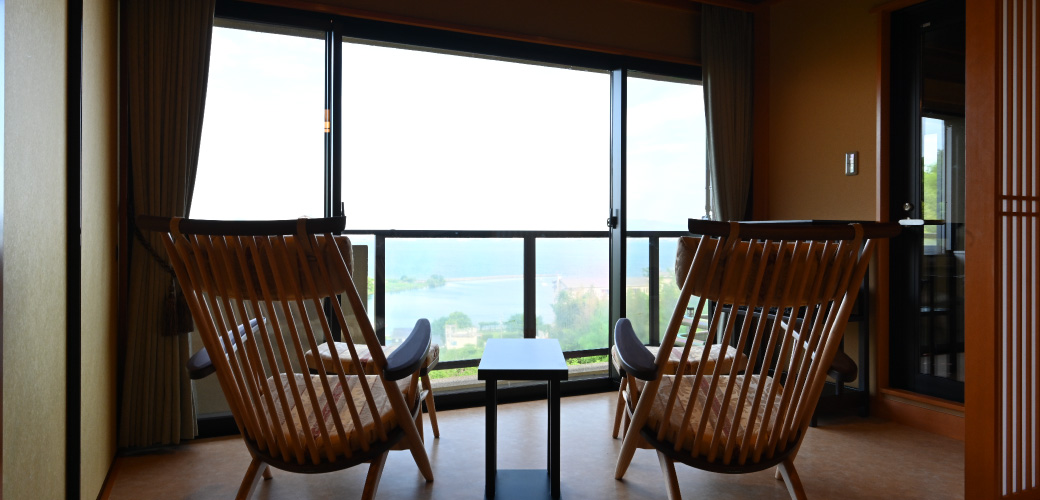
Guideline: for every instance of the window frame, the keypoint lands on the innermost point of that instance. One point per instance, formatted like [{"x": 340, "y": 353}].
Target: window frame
[{"x": 338, "y": 28}]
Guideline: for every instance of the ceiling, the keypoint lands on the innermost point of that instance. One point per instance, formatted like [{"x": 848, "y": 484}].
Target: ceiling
[{"x": 694, "y": 5}]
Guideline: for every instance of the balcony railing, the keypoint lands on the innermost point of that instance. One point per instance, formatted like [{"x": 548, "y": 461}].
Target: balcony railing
[{"x": 475, "y": 285}]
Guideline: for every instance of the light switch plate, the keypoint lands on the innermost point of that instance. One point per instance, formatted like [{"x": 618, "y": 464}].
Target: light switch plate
[{"x": 852, "y": 163}]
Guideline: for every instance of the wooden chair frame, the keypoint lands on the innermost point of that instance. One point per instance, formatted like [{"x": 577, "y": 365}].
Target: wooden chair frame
[
  {"x": 277, "y": 277},
  {"x": 750, "y": 280}
]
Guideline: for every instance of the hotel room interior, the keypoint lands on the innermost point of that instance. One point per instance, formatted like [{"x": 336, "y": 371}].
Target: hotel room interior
[{"x": 829, "y": 92}]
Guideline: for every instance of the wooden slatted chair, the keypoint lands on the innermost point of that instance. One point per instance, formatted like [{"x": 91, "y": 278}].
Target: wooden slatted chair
[
  {"x": 620, "y": 415},
  {"x": 750, "y": 280},
  {"x": 683, "y": 256},
  {"x": 325, "y": 362},
  {"x": 277, "y": 277}
]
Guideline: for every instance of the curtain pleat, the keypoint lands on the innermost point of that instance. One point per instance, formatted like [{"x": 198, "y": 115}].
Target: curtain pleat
[
  {"x": 167, "y": 68},
  {"x": 727, "y": 44}
]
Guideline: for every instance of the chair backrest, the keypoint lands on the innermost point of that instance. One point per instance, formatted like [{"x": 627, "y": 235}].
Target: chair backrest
[
  {"x": 286, "y": 277},
  {"x": 779, "y": 293}
]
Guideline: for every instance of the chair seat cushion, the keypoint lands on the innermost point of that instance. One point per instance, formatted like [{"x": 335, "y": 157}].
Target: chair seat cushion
[
  {"x": 293, "y": 428},
  {"x": 432, "y": 357},
  {"x": 696, "y": 351},
  {"x": 744, "y": 415}
]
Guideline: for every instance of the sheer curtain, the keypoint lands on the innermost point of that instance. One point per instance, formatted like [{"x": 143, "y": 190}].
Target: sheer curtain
[
  {"x": 727, "y": 65},
  {"x": 168, "y": 44}
]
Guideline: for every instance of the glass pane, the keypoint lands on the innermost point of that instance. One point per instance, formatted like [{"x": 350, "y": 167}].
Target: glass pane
[
  {"x": 667, "y": 288},
  {"x": 666, "y": 154},
  {"x": 471, "y": 289},
  {"x": 440, "y": 141},
  {"x": 572, "y": 294},
  {"x": 940, "y": 321},
  {"x": 932, "y": 179},
  {"x": 364, "y": 249},
  {"x": 261, "y": 155},
  {"x": 637, "y": 286},
  {"x": 262, "y": 151}
]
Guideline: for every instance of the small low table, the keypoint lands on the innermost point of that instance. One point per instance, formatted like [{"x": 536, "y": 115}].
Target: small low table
[{"x": 522, "y": 359}]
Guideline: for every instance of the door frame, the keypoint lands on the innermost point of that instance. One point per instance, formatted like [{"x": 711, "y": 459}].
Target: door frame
[
  {"x": 908, "y": 408},
  {"x": 904, "y": 133}
]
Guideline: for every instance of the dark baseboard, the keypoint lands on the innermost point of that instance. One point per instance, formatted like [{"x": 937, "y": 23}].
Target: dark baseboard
[{"x": 217, "y": 425}]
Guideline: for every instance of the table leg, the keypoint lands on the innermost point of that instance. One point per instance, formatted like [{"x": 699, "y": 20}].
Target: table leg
[
  {"x": 554, "y": 437},
  {"x": 548, "y": 433},
  {"x": 490, "y": 437}
]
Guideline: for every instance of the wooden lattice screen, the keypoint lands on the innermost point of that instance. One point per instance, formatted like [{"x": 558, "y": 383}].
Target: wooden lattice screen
[
  {"x": 1002, "y": 444},
  {"x": 1018, "y": 248}
]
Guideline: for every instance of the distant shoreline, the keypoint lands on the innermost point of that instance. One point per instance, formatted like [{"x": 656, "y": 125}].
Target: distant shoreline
[{"x": 499, "y": 277}]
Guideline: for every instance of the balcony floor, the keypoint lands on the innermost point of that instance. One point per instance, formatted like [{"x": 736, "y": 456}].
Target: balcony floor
[{"x": 844, "y": 458}]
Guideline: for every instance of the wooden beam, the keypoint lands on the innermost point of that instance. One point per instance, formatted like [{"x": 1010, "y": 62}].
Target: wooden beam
[
  {"x": 338, "y": 10},
  {"x": 880, "y": 305},
  {"x": 683, "y": 5},
  {"x": 695, "y": 5},
  {"x": 894, "y": 5},
  {"x": 982, "y": 478}
]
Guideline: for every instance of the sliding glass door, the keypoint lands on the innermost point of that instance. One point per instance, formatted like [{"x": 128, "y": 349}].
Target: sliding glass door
[{"x": 475, "y": 174}]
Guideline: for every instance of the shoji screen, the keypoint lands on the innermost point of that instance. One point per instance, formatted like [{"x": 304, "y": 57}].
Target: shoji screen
[
  {"x": 1003, "y": 274},
  {"x": 1018, "y": 248}
]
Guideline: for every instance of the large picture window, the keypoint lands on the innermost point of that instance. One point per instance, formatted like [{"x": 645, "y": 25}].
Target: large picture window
[
  {"x": 261, "y": 155},
  {"x": 476, "y": 177},
  {"x": 454, "y": 141}
]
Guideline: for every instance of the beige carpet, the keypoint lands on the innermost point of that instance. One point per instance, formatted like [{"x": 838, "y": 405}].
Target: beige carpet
[{"x": 844, "y": 459}]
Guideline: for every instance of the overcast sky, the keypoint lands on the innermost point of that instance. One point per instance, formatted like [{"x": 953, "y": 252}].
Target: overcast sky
[{"x": 434, "y": 141}]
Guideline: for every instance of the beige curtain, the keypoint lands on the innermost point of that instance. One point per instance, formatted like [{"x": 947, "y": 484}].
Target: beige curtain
[
  {"x": 168, "y": 44},
  {"x": 727, "y": 60}
]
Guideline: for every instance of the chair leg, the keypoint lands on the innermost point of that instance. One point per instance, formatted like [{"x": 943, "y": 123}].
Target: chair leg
[
  {"x": 412, "y": 438},
  {"x": 790, "y": 458},
  {"x": 671, "y": 481},
  {"x": 619, "y": 412},
  {"x": 632, "y": 437},
  {"x": 257, "y": 470},
  {"x": 794, "y": 483},
  {"x": 429, "y": 403},
  {"x": 375, "y": 472},
  {"x": 419, "y": 425}
]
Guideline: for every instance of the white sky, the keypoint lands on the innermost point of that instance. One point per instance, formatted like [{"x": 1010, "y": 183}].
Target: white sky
[
  {"x": 933, "y": 133},
  {"x": 433, "y": 141}
]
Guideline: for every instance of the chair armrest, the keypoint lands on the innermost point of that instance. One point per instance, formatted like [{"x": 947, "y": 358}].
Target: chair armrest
[
  {"x": 201, "y": 366},
  {"x": 634, "y": 357},
  {"x": 411, "y": 354}
]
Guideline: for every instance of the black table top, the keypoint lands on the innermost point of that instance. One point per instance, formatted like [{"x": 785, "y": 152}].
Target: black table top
[{"x": 522, "y": 359}]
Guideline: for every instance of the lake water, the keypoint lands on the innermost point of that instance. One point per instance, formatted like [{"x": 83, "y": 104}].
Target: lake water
[
  {"x": 484, "y": 276},
  {"x": 484, "y": 300}
]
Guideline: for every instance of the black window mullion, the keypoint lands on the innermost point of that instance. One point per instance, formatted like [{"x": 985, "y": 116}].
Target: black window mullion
[
  {"x": 530, "y": 317},
  {"x": 330, "y": 126},
  {"x": 332, "y": 173},
  {"x": 379, "y": 318},
  {"x": 335, "y": 50},
  {"x": 616, "y": 220},
  {"x": 655, "y": 290}
]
